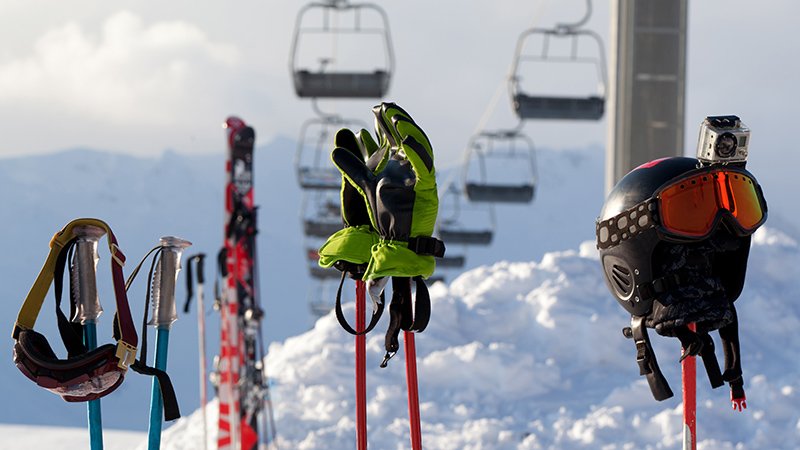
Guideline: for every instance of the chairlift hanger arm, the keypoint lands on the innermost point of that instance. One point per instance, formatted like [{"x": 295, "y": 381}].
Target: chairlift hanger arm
[{"x": 572, "y": 26}]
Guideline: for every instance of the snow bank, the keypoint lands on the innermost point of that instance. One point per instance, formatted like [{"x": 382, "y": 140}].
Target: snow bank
[{"x": 529, "y": 355}]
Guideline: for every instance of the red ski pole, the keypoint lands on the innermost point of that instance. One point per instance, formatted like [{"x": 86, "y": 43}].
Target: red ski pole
[
  {"x": 413, "y": 390},
  {"x": 361, "y": 368},
  {"x": 689, "y": 382}
]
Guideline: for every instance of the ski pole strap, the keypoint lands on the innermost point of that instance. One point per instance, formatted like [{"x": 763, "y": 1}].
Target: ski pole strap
[
  {"x": 200, "y": 258},
  {"x": 170, "y": 401},
  {"x": 35, "y": 298},
  {"x": 406, "y": 314},
  {"x": 700, "y": 343},
  {"x": 729, "y": 335},
  {"x": 426, "y": 246},
  {"x": 377, "y": 311},
  {"x": 646, "y": 358}
]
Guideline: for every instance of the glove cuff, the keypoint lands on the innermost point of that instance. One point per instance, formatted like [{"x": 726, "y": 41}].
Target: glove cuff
[
  {"x": 351, "y": 244},
  {"x": 394, "y": 258}
]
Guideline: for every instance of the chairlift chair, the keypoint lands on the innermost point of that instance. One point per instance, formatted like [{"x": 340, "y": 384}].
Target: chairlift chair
[
  {"x": 516, "y": 151},
  {"x": 321, "y": 214},
  {"x": 543, "y": 106},
  {"x": 451, "y": 262},
  {"x": 312, "y": 158},
  {"x": 353, "y": 83},
  {"x": 452, "y": 227},
  {"x": 317, "y": 272},
  {"x": 321, "y": 296}
]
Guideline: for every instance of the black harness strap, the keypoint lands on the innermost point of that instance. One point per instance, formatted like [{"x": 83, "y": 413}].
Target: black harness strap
[
  {"x": 646, "y": 358},
  {"x": 406, "y": 314},
  {"x": 729, "y": 334},
  {"x": 171, "y": 409},
  {"x": 700, "y": 343},
  {"x": 376, "y": 312},
  {"x": 426, "y": 246},
  {"x": 70, "y": 332}
]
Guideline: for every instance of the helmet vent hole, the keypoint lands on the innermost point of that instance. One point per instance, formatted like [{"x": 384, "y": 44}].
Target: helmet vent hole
[{"x": 621, "y": 276}]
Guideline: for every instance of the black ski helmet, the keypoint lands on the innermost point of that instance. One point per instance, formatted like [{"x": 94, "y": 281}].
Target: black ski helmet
[{"x": 627, "y": 242}]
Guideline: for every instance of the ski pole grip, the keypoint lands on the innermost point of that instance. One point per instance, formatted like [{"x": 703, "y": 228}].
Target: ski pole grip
[
  {"x": 200, "y": 271},
  {"x": 164, "y": 312},
  {"x": 88, "y": 308}
]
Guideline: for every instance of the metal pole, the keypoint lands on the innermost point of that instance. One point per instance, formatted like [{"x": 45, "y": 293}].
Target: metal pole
[
  {"x": 164, "y": 314},
  {"x": 201, "y": 339},
  {"x": 361, "y": 368},
  {"x": 88, "y": 310},
  {"x": 689, "y": 382},
  {"x": 413, "y": 390}
]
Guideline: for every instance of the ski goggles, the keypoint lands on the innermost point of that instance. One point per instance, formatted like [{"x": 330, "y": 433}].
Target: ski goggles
[
  {"x": 85, "y": 374},
  {"x": 690, "y": 208},
  {"x": 78, "y": 379}
]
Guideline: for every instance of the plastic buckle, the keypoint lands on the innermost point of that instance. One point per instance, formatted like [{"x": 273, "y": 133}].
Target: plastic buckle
[
  {"x": 126, "y": 353},
  {"x": 641, "y": 357}
]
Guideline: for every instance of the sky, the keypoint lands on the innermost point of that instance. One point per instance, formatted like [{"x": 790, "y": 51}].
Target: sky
[{"x": 141, "y": 77}]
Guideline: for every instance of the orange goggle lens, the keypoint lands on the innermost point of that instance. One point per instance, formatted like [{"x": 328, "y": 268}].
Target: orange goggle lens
[{"x": 690, "y": 206}]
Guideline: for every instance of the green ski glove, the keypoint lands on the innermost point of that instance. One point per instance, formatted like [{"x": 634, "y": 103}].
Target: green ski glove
[
  {"x": 349, "y": 248},
  {"x": 401, "y": 195}
]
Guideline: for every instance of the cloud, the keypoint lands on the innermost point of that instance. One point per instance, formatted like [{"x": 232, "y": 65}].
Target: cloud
[{"x": 129, "y": 72}]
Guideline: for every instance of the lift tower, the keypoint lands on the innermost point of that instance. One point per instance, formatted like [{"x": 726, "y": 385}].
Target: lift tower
[{"x": 648, "y": 72}]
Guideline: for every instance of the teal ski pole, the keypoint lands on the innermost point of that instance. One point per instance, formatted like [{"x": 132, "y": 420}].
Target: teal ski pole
[
  {"x": 88, "y": 310},
  {"x": 164, "y": 314}
]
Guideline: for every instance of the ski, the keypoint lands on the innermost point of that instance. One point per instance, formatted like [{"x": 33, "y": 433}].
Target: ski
[{"x": 245, "y": 416}]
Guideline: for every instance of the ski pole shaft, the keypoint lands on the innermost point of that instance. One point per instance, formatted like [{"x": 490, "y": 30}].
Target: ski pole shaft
[
  {"x": 201, "y": 339},
  {"x": 88, "y": 310},
  {"x": 689, "y": 384},
  {"x": 361, "y": 368},
  {"x": 413, "y": 390},
  {"x": 164, "y": 314}
]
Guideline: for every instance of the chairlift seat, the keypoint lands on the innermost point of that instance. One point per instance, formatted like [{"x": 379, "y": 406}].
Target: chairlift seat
[
  {"x": 323, "y": 273},
  {"x": 499, "y": 193},
  {"x": 341, "y": 84},
  {"x": 316, "y": 178},
  {"x": 566, "y": 108},
  {"x": 320, "y": 308},
  {"x": 433, "y": 279},
  {"x": 320, "y": 229},
  {"x": 451, "y": 261},
  {"x": 468, "y": 237}
]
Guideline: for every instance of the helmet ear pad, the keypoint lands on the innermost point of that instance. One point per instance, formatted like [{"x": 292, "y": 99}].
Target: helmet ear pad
[{"x": 626, "y": 267}]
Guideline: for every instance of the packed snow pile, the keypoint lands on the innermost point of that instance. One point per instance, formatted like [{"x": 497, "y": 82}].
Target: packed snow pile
[{"x": 530, "y": 355}]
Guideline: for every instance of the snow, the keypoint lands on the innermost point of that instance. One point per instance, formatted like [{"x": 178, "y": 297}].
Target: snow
[{"x": 524, "y": 349}]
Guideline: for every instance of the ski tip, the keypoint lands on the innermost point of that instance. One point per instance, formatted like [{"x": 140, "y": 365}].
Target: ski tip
[{"x": 233, "y": 122}]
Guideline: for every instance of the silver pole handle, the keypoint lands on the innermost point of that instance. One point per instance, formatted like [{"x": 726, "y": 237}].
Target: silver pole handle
[
  {"x": 84, "y": 274},
  {"x": 164, "y": 280}
]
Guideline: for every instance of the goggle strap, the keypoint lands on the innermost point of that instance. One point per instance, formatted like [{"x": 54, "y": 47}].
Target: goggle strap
[{"x": 627, "y": 224}]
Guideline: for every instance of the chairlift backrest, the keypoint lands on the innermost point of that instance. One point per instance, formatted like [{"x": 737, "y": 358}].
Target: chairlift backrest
[
  {"x": 559, "y": 106},
  {"x": 342, "y": 83},
  {"x": 454, "y": 225},
  {"x": 312, "y": 159}
]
